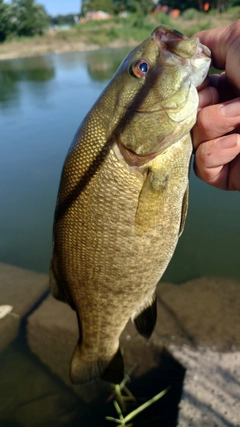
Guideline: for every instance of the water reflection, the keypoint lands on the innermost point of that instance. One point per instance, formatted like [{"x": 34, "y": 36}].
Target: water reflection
[
  {"x": 102, "y": 68},
  {"x": 12, "y": 72},
  {"x": 38, "y": 69}
]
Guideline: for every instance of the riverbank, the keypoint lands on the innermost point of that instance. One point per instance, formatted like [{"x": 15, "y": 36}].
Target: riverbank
[
  {"x": 112, "y": 33},
  {"x": 48, "y": 45}
]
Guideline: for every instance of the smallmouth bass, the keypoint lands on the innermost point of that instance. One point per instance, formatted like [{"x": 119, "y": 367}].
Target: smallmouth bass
[{"x": 123, "y": 197}]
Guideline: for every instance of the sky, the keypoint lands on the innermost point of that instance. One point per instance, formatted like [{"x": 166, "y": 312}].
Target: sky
[{"x": 60, "y": 7}]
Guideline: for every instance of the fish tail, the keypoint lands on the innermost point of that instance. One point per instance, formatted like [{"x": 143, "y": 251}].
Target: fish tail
[{"x": 84, "y": 371}]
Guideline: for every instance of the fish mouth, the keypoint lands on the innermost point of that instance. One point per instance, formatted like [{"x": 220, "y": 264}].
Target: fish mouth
[
  {"x": 177, "y": 43},
  {"x": 163, "y": 33}
]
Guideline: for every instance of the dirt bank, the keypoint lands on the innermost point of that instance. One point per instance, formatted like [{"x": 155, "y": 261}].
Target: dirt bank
[{"x": 39, "y": 47}]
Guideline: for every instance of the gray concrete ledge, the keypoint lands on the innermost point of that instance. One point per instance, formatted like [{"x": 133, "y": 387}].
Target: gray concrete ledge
[
  {"x": 211, "y": 392},
  {"x": 198, "y": 322},
  {"x": 21, "y": 289}
]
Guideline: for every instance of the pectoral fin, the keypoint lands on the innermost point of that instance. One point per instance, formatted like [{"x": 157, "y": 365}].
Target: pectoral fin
[
  {"x": 150, "y": 200},
  {"x": 145, "y": 321}
]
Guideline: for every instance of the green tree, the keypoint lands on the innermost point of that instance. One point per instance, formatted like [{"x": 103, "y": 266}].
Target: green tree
[
  {"x": 183, "y": 5},
  {"x": 141, "y": 7},
  {"x": 28, "y": 18},
  {"x": 3, "y": 20},
  {"x": 63, "y": 19},
  {"x": 221, "y": 5},
  {"x": 94, "y": 5}
]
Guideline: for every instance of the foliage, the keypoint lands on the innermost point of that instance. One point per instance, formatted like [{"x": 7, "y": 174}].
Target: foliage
[
  {"x": 123, "y": 420},
  {"x": 144, "y": 7},
  {"x": 95, "y": 5},
  {"x": 219, "y": 5},
  {"x": 64, "y": 19},
  {"x": 141, "y": 7},
  {"x": 164, "y": 19},
  {"x": 235, "y": 12},
  {"x": 190, "y": 14},
  {"x": 184, "y": 4},
  {"x": 5, "y": 20},
  {"x": 22, "y": 18}
]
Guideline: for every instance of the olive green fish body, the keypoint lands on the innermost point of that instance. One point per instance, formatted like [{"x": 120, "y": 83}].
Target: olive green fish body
[{"x": 122, "y": 200}]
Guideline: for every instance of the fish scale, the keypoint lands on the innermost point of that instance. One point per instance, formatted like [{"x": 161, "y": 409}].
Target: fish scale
[{"x": 119, "y": 213}]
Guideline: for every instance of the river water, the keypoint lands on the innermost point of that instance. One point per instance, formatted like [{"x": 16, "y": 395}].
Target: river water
[{"x": 42, "y": 102}]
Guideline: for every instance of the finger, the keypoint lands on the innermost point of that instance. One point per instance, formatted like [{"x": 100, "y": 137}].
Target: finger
[
  {"x": 218, "y": 40},
  {"x": 205, "y": 83},
  {"x": 224, "y": 44},
  {"x": 208, "y": 96},
  {"x": 212, "y": 80},
  {"x": 215, "y": 121},
  {"x": 217, "y": 162},
  {"x": 225, "y": 88}
]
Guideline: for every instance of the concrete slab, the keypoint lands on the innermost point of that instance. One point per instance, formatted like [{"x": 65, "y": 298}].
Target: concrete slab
[
  {"x": 52, "y": 336},
  {"x": 198, "y": 322},
  {"x": 9, "y": 326},
  {"x": 21, "y": 289},
  {"x": 30, "y": 396},
  {"x": 211, "y": 391},
  {"x": 201, "y": 312}
]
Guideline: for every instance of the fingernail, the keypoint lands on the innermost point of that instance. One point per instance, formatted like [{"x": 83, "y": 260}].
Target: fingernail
[
  {"x": 231, "y": 108},
  {"x": 228, "y": 141}
]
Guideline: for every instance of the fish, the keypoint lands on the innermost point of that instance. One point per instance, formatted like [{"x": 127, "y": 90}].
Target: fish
[{"x": 123, "y": 198}]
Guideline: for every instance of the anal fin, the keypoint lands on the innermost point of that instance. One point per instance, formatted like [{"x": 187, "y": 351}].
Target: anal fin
[{"x": 145, "y": 321}]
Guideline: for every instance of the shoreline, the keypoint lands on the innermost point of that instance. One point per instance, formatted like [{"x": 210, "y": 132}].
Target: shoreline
[
  {"x": 102, "y": 35},
  {"x": 37, "y": 47}
]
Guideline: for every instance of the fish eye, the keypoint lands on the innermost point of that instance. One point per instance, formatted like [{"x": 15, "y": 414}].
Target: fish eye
[
  {"x": 139, "y": 68},
  {"x": 143, "y": 67}
]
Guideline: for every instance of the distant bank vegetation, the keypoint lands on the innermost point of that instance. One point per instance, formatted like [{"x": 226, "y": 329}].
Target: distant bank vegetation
[{"x": 128, "y": 21}]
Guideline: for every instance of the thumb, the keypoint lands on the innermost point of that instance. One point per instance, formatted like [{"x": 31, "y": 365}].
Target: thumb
[{"x": 224, "y": 44}]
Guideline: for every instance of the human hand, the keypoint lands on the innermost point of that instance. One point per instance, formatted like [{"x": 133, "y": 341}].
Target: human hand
[{"x": 216, "y": 137}]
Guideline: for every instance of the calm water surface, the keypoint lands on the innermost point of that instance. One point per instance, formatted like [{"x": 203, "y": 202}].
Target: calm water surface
[{"x": 42, "y": 102}]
